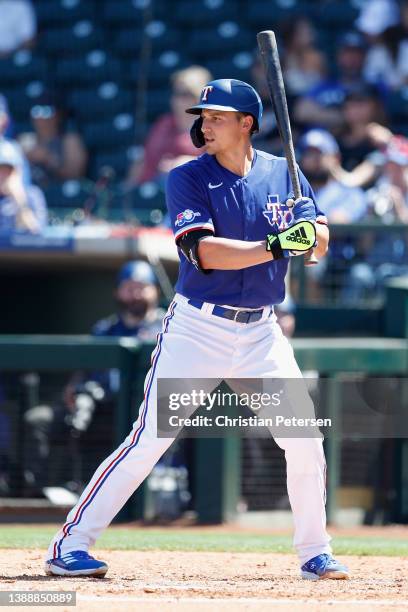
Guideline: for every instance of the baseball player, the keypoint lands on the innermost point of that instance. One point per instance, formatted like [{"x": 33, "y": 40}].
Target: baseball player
[{"x": 227, "y": 208}]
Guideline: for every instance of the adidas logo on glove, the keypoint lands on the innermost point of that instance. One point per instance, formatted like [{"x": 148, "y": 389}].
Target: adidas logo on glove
[
  {"x": 295, "y": 240},
  {"x": 299, "y": 236}
]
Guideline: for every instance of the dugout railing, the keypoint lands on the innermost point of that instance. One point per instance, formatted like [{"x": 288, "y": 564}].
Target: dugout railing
[{"x": 217, "y": 469}]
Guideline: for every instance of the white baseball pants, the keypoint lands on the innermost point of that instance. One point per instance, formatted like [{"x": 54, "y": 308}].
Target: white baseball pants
[{"x": 197, "y": 344}]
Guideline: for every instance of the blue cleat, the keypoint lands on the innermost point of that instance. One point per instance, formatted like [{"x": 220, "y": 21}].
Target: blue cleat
[
  {"x": 324, "y": 567},
  {"x": 76, "y": 563}
]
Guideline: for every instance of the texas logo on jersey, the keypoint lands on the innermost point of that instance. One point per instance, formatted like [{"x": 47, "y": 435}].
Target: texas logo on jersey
[
  {"x": 187, "y": 216},
  {"x": 278, "y": 214}
]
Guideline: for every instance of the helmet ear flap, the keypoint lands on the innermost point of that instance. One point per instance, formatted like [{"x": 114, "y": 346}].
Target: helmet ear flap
[{"x": 197, "y": 137}]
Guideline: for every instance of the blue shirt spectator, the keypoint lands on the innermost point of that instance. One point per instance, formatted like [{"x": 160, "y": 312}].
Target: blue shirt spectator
[
  {"x": 341, "y": 204},
  {"x": 321, "y": 106},
  {"x": 22, "y": 208}
]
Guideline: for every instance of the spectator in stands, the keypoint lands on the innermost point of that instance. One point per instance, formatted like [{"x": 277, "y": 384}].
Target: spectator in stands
[
  {"x": 362, "y": 107},
  {"x": 137, "y": 297},
  {"x": 4, "y": 123},
  {"x": 340, "y": 203},
  {"x": 387, "y": 252},
  {"x": 387, "y": 58},
  {"x": 304, "y": 66},
  {"x": 389, "y": 196},
  {"x": 321, "y": 106},
  {"x": 55, "y": 150},
  {"x": 369, "y": 170},
  {"x": 22, "y": 208},
  {"x": 17, "y": 26},
  {"x": 168, "y": 143}
]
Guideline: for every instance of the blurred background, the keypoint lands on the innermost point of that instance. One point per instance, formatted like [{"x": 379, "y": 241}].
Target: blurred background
[{"x": 92, "y": 99}]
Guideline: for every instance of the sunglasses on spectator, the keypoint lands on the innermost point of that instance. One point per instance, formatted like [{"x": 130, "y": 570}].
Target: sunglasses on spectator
[{"x": 42, "y": 112}]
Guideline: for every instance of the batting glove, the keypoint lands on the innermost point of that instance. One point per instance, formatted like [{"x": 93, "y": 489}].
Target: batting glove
[
  {"x": 303, "y": 209},
  {"x": 296, "y": 240}
]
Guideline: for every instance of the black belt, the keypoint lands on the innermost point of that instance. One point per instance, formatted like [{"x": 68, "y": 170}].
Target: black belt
[{"x": 241, "y": 316}]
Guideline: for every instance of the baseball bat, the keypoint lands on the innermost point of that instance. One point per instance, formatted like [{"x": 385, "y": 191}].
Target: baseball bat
[{"x": 276, "y": 87}]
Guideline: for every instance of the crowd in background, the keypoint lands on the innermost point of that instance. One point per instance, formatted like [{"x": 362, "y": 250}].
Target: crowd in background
[{"x": 347, "y": 111}]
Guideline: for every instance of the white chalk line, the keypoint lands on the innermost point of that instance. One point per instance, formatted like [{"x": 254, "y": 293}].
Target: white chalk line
[{"x": 246, "y": 600}]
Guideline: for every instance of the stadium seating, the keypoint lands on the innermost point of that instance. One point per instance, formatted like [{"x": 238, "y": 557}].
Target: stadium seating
[
  {"x": 82, "y": 36},
  {"x": 206, "y": 12},
  {"x": 100, "y": 55},
  {"x": 68, "y": 194},
  {"x": 155, "y": 38},
  {"x": 236, "y": 66},
  {"x": 118, "y": 160},
  {"x": 159, "y": 69},
  {"x": 21, "y": 67},
  {"x": 338, "y": 15},
  {"x": 148, "y": 195},
  {"x": 125, "y": 13},
  {"x": 265, "y": 15},
  {"x": 96, "y": 66},
  {"x": 229, "y": 36},
  {"x": 22, "y": 98},
  {"x": 398, "y": 106},
  {"x": 121, "y": 131},
  {"x": 62, "y": 12},
  {"x": 107, "y": 100}
]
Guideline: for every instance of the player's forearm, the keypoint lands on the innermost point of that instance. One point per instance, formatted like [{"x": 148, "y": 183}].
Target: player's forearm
[
  {"x": 225, "y": 254},
  {"x": 322, "y": 237}
]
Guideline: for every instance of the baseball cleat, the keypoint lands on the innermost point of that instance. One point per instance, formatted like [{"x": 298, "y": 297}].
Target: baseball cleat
[
  {"x": 324, "y": 567},
  {"x": 76, "y": 563}
]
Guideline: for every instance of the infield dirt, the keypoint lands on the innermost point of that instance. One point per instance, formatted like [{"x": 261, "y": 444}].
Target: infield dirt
[{"x": 181, "y": 581}]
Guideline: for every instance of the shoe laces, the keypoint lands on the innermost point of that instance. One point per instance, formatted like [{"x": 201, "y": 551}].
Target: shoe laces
[
  {"x": 81, "y": 554},
  {"x": 319, "y": 561}
]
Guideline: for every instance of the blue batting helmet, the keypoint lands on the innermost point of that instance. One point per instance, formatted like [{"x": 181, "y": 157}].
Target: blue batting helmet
[{"x": 230, "y": 95}]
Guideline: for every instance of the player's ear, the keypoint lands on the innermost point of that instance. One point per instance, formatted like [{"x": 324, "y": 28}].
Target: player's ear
[{"x": 247, "y": 123}]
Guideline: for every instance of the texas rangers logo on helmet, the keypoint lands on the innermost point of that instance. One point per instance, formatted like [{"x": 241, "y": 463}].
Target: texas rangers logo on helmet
[
  {"x": 278, "y": 214},
  {"x": 205, "y": 92},
  {"x": 187, "y": 216}
]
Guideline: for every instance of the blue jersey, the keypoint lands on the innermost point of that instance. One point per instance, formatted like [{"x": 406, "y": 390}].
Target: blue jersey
[{"x": 202, "y": 194}]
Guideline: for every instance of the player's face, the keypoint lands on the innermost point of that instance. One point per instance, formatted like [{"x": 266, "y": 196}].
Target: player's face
[{"x": 223, "y": 130}]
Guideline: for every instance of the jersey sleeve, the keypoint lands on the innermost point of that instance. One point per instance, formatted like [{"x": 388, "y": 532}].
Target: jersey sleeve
[
  {"x": 187, "y": 203},
  {"x": 308, "y": 192}
]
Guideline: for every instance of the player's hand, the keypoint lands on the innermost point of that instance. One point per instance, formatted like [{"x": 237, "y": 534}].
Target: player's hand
[
  {"x": 303, "y": 209},
  {"x": 295, "y": 240}
]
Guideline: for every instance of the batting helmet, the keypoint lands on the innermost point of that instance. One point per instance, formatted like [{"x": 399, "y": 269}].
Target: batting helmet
[{"x": 230, "y": 95}]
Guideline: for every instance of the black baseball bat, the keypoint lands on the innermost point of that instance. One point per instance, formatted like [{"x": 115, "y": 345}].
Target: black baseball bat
[{"x": 270, "y": 56}]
